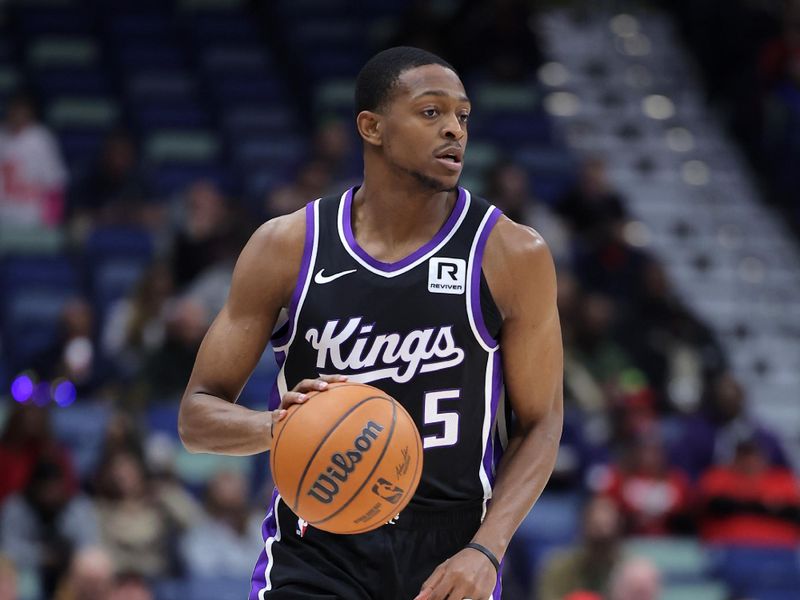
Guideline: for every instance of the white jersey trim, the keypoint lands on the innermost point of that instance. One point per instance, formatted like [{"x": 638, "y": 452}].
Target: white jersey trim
[{"x": 309, "y": 277}]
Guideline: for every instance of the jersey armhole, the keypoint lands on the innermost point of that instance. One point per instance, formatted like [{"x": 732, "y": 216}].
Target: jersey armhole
[
  {"x": 284, "y": 335},
  {"x": 492, "y": 317},
  {"x": 480, "y": 305}
]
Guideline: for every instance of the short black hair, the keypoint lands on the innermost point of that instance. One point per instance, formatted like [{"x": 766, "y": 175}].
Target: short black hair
[{"x": 379, "y": 76}]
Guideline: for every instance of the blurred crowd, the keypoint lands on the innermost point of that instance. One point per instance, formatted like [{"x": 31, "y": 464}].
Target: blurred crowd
[
  {"x": 750, "y": 58},
  {"x": 658, "y": 440}
]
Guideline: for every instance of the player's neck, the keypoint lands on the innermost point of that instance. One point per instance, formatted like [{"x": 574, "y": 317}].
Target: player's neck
[{"x": 391, "y": 221}]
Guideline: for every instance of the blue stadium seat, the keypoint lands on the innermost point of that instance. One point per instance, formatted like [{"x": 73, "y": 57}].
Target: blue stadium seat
[
  {"x": 71, "y": 81},
  {"x": 116, "y": 259},
  {"x": 36, "y": 20},
  {"x": 238, "y": 88},
  {"x": 243, "y": 119},
  {"x": 749, "y": 568},
  {"x": 151, "y": 24},
  {"x": 169, "y": 179},
  {"x": 270, "y": 151},
  {"x": 35, "y": 291},
  {"x": 145, "y": 55},
  {"x": 553, "y": 523},
  {"x": 171, "y": 115},
  {"x": 81, "y": 427},
  {"x": 223, "y": 26},
  {"x": 222, "y": 588}
]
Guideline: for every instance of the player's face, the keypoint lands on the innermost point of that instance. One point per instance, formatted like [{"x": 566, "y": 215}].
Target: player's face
[{"x": 425, "y": 126}]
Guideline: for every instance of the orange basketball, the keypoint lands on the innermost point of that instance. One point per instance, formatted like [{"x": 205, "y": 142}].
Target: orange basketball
[{"x": 348, "y": 459}]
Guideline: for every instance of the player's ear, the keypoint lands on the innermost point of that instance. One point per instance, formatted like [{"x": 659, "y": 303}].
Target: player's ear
[{"x": 370, "y": 127}]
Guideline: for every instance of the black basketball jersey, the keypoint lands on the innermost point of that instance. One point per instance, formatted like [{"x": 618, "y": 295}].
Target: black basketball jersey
[{"x": 423, "y": 329}]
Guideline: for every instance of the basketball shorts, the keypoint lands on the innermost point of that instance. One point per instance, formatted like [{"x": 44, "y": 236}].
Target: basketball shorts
[{"x": 301, "y": 562}]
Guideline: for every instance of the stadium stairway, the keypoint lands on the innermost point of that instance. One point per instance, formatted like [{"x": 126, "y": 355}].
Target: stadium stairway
[{"x": 622, "y": 87}]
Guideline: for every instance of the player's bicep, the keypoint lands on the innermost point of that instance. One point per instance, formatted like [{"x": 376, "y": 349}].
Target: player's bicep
[
  {"x": 533, "y": 365},
  {"x": 522, "y": 277},
  {"x": 239, "y": 334}
]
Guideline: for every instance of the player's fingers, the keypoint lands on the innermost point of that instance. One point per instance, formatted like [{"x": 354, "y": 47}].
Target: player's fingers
[
  {"x": 311, "y": 385},
  {"x": 430, "y": 583},
  {"x": 333, "y": 378},
  {"x": 290, "y": 398}
]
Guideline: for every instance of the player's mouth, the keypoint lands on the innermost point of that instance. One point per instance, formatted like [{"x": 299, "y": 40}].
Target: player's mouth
[{"x": 451, "y": 157}]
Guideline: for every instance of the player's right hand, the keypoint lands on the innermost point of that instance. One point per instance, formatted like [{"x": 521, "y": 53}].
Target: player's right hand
[{"x": 299, "y": 393}]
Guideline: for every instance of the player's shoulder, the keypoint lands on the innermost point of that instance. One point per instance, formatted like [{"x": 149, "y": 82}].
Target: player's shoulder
[
  {"x": 281, "y": 233},
  {"x": 517, "y": 244}
]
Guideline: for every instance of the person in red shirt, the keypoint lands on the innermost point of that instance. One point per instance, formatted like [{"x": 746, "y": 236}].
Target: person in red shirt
[
  {"x": 749, "y": 502},
  {"x": 24, "y": 439},
  {"x": 652, "y": 496}
]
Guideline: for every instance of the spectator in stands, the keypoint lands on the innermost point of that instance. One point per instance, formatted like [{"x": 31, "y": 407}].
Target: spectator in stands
[
  {"x": 749, "y": 502},
  {"x": 229, "y": 533},
  {"x": 26, "y": 437},
  {"x": 136, "y": 528},
  {"x": 674, "y": 349},
  {"x": 32, "y": 172},
  {"x": 635, "y": 579},
  {"x": 779, "y": 131},
  {"x": 508, "y": 50},
  {"x": 314, "y": 180},
  {"x": 594, "y": 343},
  {"x": 712, "y": 435},
  {"x": 209, "y": 234},
  {"x": 652, "y": 497},
  {"x": 508, "y": 186},
  {"x": 334, "y": 147},
  {"x": 592, "y": 206},
  {"x": 90, "y": 576},
  {"x": 165, "y": 371},
  {"x": 131, "y": 587},
  {"x": 113, "y": 192},
  {"x": 73, "y": 355},
  {"x": 161, "y": 452},
  {"x": 41, "y": 526},
  {"x": 587, "y": 566},
  {"x": 8, "y": 579},
  {"x": 136, "y": 325}
]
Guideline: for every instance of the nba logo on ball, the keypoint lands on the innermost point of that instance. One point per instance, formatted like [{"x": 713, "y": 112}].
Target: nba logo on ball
[{"x": 447, "y": 275}]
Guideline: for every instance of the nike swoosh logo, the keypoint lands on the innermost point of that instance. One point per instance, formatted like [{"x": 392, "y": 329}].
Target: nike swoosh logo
[{"x": 320, "y": 278}]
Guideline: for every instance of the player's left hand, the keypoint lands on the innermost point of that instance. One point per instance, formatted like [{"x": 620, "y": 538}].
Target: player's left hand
[{"x": 468, "y": 574}]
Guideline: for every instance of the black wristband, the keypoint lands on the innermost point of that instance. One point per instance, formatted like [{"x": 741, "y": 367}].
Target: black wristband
[{"x": 487, "y": 553}]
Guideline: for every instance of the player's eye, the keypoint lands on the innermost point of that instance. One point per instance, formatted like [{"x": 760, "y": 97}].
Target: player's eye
[
  {"x": 464, "y": 117},
  {"x": 430, "y": 112}
]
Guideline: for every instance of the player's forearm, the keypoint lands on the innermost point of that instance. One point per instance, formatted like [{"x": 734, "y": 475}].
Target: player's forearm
[
  {"x": 521, "y": 476},
  {"x": 210, "y": 424}
]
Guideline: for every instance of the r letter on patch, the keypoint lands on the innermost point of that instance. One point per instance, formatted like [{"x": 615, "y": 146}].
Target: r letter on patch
[{"x": 447, "y": 275}]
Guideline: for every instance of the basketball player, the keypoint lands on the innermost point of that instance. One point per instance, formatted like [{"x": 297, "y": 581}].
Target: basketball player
[{"x": 412, "y": 284}]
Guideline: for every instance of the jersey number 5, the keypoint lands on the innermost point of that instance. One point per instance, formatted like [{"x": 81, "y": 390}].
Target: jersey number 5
[{"x": 449, "y": 433}]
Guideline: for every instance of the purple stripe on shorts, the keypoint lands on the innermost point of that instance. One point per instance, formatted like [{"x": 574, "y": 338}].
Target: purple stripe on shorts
[
  {"x": 268, "y": 529},
  {"x": 448, "y": 226},
  {"x": 475, "y": 282},
  {"x": 497, "y": 594},
  {"x": 305, "y": 265},
  {"x": 497, "y": 386}
]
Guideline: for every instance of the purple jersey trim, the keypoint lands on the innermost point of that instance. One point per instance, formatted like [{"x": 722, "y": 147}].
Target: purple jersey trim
[
  {"x": 497, "y": 594},
  {"x": 475, "y": 279},
  {"x": 305, "y": 265},
  {"x": 497, "y": 388},
  {"x": 269, "y": 529},
  {"x": 448, "y": 226}
]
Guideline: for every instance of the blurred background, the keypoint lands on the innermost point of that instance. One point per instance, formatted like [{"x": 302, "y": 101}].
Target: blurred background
[{"x": 655, "y": 146}]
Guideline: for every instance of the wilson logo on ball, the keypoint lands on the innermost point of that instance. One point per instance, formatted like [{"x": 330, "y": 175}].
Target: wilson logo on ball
[{"x": 342, "y": 464}]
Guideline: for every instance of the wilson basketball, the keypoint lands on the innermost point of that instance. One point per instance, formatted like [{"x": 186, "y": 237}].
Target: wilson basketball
[{"x": 348, "y": 459}]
